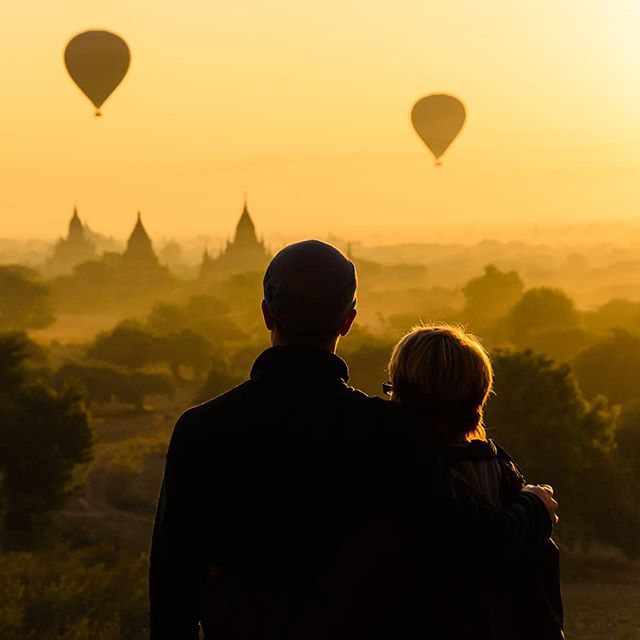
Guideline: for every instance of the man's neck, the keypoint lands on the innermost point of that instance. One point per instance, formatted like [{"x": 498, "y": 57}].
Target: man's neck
[{"x": 329, "y": 346}]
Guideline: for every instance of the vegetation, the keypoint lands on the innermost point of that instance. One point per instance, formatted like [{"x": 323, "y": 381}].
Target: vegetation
[
  {"x": 132, "y": 346},
  {"x": 542, "y": 308},
  {"x": 567, "y": 407},
  {"x": 60, "y": 594},
  {"x": 611, "y": 367},
  {"x": 102, "y": 385},
  {"x": 43, "y": 434},
  {"x": 540, "y": 416},
  {"x": 489, "y": 297},
  {"x": 24, "y": 301}
]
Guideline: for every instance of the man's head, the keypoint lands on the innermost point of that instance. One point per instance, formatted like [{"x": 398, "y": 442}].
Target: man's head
[{"x": 309, "y": 295}]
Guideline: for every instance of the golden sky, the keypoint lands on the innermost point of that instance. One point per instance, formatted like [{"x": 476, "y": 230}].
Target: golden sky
[{"x": 306, "y": 106}]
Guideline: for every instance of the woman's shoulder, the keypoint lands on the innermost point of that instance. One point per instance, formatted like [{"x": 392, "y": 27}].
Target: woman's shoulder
[
  {"x": 472, "y": 451},
  {"x": 487, "y": 467}
]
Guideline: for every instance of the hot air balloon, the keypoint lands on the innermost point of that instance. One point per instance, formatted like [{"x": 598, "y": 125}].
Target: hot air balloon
[
  {"x": 437, "y": 119},
  {"x": 97, "y": 61}
]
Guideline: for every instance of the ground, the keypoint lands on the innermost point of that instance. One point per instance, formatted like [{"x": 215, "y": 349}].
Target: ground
[{"x": 601, "y": 598}]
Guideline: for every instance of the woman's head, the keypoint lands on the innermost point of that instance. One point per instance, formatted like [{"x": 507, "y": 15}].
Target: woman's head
[{"x": 445, "y": 373}]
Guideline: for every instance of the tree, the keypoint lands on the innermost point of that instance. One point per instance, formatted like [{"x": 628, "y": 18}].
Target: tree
[
  {"x": 93, "y": 286},
  {"x": 24, "y": 302},
  {"x": 15, "y": 350},
  {"x": 127, "y": 345},
  {"x": 561, "y": 344},
  {"x": 219, "y": 380},
  {"x": 130, "y": 345},
  {"x": 615, "y": 314},
  {"x": 43, "y": 435},
  {"x": 489, "y": 297},
  {"x": 102, "y": 384},
  {"x": 628, "y": 434},
  {"x": 540, "y": 309},
  {"x": 186, "y": 348},
  {"x": 206, "y": 315},
  {"x": 611, "y": 368},
  {"x": 542, "y": 419},
  {"x": 368, "y": 366}
]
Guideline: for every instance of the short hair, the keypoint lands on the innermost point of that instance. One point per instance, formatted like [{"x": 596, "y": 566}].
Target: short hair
[
  {"x": 309, "y": 289},
  {"x": 446, "y": 373}
]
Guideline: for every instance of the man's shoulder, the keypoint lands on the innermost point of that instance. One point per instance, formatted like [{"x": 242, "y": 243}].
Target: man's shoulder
[
  {"x": 209, "y": 409},
  {"x": 245, "y": 402},
  {"x": 357, "y": 395}
]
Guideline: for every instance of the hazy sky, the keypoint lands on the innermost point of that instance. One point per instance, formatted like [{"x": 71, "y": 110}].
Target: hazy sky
[{"x": 306, "y": 106}]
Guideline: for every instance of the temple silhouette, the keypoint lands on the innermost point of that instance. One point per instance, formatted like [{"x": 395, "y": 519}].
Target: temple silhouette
[
  {"x": 244, "y": 253},
  {"x": 140, "y": 263},
  {"x": 139, "y": 251},
  {"x": 77, "y": 247}
]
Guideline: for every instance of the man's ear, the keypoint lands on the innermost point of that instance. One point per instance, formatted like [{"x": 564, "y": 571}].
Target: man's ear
[
  {"x": 348, "y": 321},
  {"x": 266, "y": 314}
]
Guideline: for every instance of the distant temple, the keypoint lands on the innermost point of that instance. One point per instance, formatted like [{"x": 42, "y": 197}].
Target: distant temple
[
  {"x": 244, "y": 253},
  {"x": 139, "y": 252},
  {"x": 139, "y": 261},
  {"x": 72, "y": 250}
]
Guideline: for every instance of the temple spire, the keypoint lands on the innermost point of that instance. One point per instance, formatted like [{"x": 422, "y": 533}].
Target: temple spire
[
  {"x": 75, "y": 225},
  {"x": 139, "y": 247}
]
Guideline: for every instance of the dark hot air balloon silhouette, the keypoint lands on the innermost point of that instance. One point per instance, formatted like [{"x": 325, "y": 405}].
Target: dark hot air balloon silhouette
[
  {"x": 97, "y": 61},
  {"x": 437, "y": 119}
]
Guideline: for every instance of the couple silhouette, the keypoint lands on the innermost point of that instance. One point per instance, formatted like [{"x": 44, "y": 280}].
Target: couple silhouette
[{"x": 297, "y": 507}]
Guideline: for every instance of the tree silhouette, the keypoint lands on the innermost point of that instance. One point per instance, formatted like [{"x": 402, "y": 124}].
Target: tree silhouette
[
  {"x": 489, "y": 297},
  {"x": 541, "y": 309},
  {"x": 539, "y": 415},
  {"x": 24, "y": 302},
  {"x": 127, "y": 345},
  {"x": 102, "y": 384},
  {"x": 219, "y": 380},
  {"x": 611, "y": 368},
  {"x": 15, "y": 350},
  {"x": 130, "y": 345},
  {"x": 43, "y": 435},
  {"x": 615, "y": 314},
  {"x": 628, "y": 434},
  {"x": 205, "y": 315}
]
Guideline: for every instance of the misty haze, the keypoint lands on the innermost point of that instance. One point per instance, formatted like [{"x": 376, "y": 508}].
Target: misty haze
[{"x": 478, "y": 166}]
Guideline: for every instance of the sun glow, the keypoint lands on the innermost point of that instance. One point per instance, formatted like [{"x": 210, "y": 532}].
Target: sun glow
[{"x": 309, "y": 108}]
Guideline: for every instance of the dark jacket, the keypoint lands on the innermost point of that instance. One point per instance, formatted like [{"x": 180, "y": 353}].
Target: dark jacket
[
  {"x": 516, "y": 595},
  {"x": 291, "y": 507}
]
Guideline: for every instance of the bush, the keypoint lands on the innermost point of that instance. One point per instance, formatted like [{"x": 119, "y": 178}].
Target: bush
[{"x": 72, "y": 595}]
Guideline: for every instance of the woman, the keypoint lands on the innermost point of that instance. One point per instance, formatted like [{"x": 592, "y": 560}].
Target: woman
[{"x": 444, "y": 376}]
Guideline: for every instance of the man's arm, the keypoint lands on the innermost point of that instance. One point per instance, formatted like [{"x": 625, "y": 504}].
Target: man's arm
[
  {"x": 449, "y": 512},
  {"x": 177, "y": 562},
  {"x": 497, "y": 532}
]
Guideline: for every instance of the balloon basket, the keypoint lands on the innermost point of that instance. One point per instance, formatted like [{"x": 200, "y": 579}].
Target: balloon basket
[
  {"x": 437, "y": 163},
  {"x": 98, "y": 114}
]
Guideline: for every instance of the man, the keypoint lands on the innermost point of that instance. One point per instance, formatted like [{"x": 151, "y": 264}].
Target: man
[{"x": 294, "y": 506}]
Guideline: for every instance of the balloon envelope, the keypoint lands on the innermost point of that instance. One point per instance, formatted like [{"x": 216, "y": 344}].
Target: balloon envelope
[
  {"x": 97, "y": 61},
  {"x": 438, "y": 119}
]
